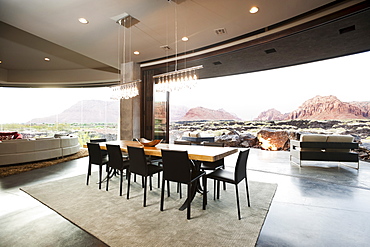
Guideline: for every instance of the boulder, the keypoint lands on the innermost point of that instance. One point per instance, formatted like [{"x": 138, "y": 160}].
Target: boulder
[
  {"x": 248, "y": 140},
  {"x": 273, "y": 139},
  {"x": 231, "y": 139}
]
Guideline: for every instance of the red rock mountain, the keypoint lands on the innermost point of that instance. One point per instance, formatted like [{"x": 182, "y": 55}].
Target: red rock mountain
[
  {"x": 330, "y": 107},
  {"x": 271, "y": 114},
  {"x": 364, "y": 106},
  {"x": 201, "y": 113}
]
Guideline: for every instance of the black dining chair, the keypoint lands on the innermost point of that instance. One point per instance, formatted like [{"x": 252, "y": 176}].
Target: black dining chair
[
  {"x": 139, "y": 165},
  {"x": 178, "y": 168},
  {"x": 182, "y": 142},
  {"x": 116, "y": 163},
  {"x": 96, "y": 157},
  {"x": 212, "y": 166},
  {"x": 235, "y": 178},
  {"x": 98, "y": 140}
]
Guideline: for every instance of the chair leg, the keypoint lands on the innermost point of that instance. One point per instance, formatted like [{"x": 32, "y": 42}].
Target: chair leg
[
  {"x": 237, "y": 201},
  {"x": 218, "y": 189},
  {"x": 128, "y": 185},
  {"x": 145, "y": 181},
  {"x": 162, "y": 195},
  {"x": 150, "y": 183},
  {"x": 189, "y": 201},
  {"x": 106, "y": 187},
  {"x": 246, "y": 188},
  {"x": 204, "y": 192},
  {"x": 100, "y": 175},
  {"x": 88, "y": 174},
  {"x": 214, "y": 188},
  {"x": 224, "y": 185},
  {"x": 120, "y": 186},
  {"x": 179, "y": 190},
  {"x": 159, "y": 179},
  {"x": 168, "y": 188}
]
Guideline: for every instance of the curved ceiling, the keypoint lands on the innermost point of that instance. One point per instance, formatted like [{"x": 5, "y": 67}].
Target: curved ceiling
[{"x": 89, "y": 54}]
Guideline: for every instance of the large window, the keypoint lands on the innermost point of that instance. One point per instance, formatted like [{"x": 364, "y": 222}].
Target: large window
[
  {"x": 43, "y": 112},
  {"x": 286, "y": 89}
]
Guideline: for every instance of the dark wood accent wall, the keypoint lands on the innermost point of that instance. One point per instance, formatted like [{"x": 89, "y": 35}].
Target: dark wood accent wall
[{"x": 147, "y": 120}]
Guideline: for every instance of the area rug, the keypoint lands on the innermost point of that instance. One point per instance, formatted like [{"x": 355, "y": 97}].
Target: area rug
[
  {"x": 19, "y": 168},
  {"x": 121, "y": 222}
]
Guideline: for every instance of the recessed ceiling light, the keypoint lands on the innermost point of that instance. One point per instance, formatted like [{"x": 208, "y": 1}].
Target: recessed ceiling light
[
  {"x": 1, "y": 61},
  {"x": 185, "y": 39},
  {"x": 47, "y": 59},
  {"x": 83, "y": 20},
  {"x": 136, "y": 52},
  {"x": 253, "y": 10}
]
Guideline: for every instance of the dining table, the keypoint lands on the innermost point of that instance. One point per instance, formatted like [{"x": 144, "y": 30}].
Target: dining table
[{"x": 197, "y": 153}]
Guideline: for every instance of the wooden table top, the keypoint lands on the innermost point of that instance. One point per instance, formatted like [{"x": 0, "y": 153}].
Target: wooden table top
[{"x": 195, "y": 152}]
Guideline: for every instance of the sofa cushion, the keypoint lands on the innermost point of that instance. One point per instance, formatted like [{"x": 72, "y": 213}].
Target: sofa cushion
[
  {"x": 313, "y": 138},
  {"x": 68, "y": 141},
  {"x": 46, "y": 144},
  {"x": 340, "y": 138}
]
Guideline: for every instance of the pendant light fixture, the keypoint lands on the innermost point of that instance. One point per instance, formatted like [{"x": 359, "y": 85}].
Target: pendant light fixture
[
  {"x": 125, "y": 89},
  {"x": 178, "y": 79}
]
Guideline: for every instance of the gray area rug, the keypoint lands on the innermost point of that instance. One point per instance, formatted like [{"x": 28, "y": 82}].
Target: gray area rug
[{"x": 121, "y": 222}]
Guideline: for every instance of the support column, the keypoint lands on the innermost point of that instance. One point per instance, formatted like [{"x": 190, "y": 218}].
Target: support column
[{"x": 129, "y": 123}]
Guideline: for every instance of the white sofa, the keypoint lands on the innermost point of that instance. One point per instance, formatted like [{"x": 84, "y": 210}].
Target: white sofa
[
  {"x": 28, "y": 150},
  {"x": 315, "y": 147}
]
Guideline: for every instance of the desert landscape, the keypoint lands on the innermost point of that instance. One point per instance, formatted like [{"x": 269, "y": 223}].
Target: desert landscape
[{"x": 321, "y": 114}]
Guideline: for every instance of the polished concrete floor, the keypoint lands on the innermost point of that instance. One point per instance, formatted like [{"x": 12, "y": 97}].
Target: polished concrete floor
[{"x": 320, "y": 204}]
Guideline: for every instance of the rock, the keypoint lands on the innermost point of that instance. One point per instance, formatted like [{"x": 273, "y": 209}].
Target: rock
[
  {"x": 232, "y": 139},
  {"x": 294, "y": 135},
  {"x": 363, "y": 153},
  {"x": 273, "y": 140},
  {"x": 248, "y": 140}
]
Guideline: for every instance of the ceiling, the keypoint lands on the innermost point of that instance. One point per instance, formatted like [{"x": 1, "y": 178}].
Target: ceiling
[{"x": 89, "y": 54}]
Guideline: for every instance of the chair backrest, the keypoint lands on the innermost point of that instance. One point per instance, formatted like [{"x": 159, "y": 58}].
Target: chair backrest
[
  {"x": 176, "y": 166},
  {"x": 241, "y": 166},
  {"x": 182, "y": 142},
  {"x": 214, "y": 144},
  {"x": 98, "y": 140},
  {"x": 115, "y": 156},
  {"x": 95, "y": 155},
  {"x": 138, "y": 162}
]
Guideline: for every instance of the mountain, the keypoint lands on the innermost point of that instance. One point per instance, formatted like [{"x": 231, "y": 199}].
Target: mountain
[
  {"x": 271, "y": 114},
  {"x": 327, "y": 107},
  {"x": 364, "y": 106},
  {"x": 322, "y": 108},
  {"x": 201, "y": 113},
  {"x": 86, "y": 111}
]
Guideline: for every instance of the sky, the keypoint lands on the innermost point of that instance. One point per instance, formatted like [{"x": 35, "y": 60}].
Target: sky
[
  {"x": 20, "y": 105},
  {"x": 245, "y": 95}
]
